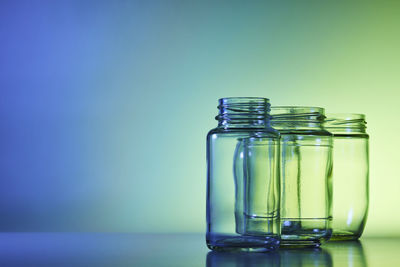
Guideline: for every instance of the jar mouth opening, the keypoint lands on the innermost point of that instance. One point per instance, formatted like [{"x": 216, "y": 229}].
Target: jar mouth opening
[
  {"x": 296, "y": 110},
  {"x": 243, "y": 101},
  {"x": 288, "y": 115},
  {"x": 345, "y": 116}
]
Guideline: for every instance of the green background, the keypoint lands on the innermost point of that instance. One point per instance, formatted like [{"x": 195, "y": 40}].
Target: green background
[{"x": 107, "y": 105}]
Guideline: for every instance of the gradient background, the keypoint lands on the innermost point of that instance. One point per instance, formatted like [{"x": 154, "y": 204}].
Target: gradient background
[{"x": 104, "y": 106}]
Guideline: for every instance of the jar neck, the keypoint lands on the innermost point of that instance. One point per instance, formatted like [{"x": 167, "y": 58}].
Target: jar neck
[
  {"x": 297, "y": 118},
  {"x": 346, "y": 123},
  {"x": 243, "y": 112}
]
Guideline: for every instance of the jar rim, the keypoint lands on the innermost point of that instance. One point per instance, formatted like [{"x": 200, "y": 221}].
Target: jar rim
[
  {"x": 345, "y": 121},
  {"x": 243, "y": 100},
  {"x": 345, "y": 116},
  {"x": 285, "y": 111}
]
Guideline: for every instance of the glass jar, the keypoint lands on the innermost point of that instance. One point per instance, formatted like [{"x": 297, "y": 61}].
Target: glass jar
[
  {"x": 243, "y": 178},
  {"x": 350, "y": 175},
  {"x": 306, "y": 165}
]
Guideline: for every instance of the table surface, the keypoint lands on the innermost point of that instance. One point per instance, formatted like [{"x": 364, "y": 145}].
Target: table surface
[{"x": 119, "y": 249}]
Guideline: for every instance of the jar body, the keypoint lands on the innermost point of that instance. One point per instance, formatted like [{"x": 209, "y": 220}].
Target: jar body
[
  {"x": 350, "y": 180},
  {"x": 243, "y": 189},
  {"x": 306, "y": 167},
  {"x": 306, "y": 194}
]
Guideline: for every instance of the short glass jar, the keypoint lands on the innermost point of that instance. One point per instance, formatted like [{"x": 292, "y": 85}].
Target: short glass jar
[
  {"x": 243, "y": 178},
  {"x": 306, "y": 165},
  {"x": 350, "y": 175}
]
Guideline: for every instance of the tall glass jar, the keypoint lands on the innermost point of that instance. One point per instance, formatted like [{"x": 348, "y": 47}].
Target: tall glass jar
[
  {"x": 243, "y": 178},
  {"x": 350, "y": 175},
  {"x": 306, "y": 165}
]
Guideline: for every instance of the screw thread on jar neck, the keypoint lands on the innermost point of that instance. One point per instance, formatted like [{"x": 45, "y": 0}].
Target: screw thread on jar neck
[
  {"x": 243, "y": 112},
  {"x": 345, "y": 123},
  {"x": 294, "y": 117}
]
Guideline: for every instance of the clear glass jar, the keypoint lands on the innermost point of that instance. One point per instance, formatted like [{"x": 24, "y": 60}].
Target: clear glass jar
[
  {"x": 350, "y": 175},
  {"x": 306, "y": 165},
  {"x": 243, "y": 178}
]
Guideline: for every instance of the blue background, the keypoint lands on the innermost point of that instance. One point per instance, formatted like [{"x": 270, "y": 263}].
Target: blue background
[{"x": 105, "y": 105}]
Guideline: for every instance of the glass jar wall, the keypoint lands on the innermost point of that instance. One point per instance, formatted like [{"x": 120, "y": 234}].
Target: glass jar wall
[
  {"x": 243, "y": 178},
  {"x": 306, "y": 164},
  {"x": 350, "y": 175}
]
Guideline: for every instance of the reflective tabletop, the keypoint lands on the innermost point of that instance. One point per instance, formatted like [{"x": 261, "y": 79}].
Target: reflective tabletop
[{"x": 112, "y": 249}]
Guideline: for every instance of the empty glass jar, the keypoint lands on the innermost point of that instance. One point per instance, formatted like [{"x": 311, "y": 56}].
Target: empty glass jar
[
  {"x": 306, "y": 165},
  {"x": 243, "y": 178},
  {"x": 350, "y": 175}
]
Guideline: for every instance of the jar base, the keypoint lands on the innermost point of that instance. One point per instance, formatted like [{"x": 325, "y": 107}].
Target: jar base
[
  {"x": 310, "y": 232},
  {"x": 344, "y": 236},
  {"x": 240, "y": 249},
  {"x": 242, "y": 243},
  {"x": 292, "y": 243}
]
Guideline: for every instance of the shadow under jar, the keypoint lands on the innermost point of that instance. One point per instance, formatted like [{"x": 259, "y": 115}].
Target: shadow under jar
[
  {"x": 350, "y": 175},
  {"x": 306, "y": 165},
  {"x": 243, "y": 178}
]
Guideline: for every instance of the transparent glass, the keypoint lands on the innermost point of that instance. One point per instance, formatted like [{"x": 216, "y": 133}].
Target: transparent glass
[
  {"x": 306, "y": 165},
  {"x": 243, "y": 178},
  {"x": 257, "y": 196},
  {"x": 350, "y": 175}
]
